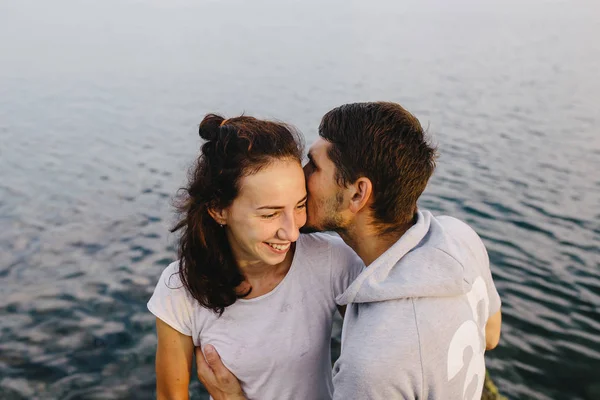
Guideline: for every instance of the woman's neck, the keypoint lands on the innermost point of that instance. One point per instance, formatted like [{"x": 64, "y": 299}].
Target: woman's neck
[{"x": 262, "y": 277}]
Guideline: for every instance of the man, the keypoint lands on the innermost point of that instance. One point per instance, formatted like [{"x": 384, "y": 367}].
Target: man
[{"x": 421, "y": 315}]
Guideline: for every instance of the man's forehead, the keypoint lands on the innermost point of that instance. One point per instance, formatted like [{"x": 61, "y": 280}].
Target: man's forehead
[{"x": 319, "y": 148}]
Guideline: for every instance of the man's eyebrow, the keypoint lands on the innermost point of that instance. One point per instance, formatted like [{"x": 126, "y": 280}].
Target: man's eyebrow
[
  {"x": 280, "y": 207},
  {"x": 303, "y": 199}
]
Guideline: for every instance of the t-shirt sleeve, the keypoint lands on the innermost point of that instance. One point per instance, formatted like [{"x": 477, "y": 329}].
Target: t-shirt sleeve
[
  {"x": 345, "y": 266},
  {"x": 171, "y": 302}
]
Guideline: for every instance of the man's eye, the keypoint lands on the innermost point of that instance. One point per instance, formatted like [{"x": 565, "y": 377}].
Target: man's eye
[{"x": 269, "y": 216}]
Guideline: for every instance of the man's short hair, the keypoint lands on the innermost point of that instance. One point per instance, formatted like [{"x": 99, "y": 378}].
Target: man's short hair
[{"x": 385, "y": 143}]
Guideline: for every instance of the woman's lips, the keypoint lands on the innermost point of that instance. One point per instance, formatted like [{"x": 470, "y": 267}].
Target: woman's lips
[{"x": 278, "y": 248}]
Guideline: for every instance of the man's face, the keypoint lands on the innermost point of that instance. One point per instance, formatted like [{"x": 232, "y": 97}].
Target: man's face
[{"x": 325, "y": 197}]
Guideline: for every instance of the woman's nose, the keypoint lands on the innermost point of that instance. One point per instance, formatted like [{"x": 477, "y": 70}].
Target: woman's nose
[{"x": 289, "y": 229}]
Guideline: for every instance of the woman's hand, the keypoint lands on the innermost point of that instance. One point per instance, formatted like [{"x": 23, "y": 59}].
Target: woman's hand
[{"x": 216, "y": 378}]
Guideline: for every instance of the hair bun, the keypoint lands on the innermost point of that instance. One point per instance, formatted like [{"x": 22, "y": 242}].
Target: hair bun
[{"x": 209, "y": 127}]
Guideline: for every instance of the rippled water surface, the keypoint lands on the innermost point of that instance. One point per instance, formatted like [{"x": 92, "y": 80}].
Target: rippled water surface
[{"x": 99, "y": 104}]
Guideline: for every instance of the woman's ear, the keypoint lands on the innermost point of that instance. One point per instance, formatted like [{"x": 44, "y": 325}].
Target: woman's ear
[{"x": 220, "y": 216}]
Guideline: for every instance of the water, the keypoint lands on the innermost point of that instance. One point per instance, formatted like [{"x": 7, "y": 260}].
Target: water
[{"x": 99, "y": 103}]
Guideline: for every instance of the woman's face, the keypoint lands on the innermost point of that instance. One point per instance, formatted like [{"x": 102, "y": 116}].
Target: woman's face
[{"x": 265, "y": 218}]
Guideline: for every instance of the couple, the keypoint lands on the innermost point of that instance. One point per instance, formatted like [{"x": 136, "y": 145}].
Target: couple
[{"x": 254, "y": 299}]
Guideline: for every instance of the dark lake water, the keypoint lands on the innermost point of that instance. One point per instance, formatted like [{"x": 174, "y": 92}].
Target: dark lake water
[{"x": 99, "y": 106}]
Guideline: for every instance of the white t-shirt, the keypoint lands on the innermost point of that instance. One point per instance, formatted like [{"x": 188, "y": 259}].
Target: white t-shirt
[{"x": 278, "y": 344}]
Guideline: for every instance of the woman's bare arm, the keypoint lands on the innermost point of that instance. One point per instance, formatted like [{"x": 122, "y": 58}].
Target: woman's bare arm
[{"x": 174, "y": 355}]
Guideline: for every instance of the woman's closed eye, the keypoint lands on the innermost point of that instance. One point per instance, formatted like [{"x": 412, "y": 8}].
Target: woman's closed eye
[
  {"x": 275, "y": 214},
  {"x": 269, "y": 216}
]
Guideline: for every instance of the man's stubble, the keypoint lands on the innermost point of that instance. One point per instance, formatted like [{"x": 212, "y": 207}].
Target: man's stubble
[{"x": 331, "y": 219}]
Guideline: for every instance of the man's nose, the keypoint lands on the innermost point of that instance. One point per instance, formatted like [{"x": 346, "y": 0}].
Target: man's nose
[{"x": 307, "y": 170}]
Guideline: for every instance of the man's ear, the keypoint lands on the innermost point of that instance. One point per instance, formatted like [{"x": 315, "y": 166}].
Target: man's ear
[
  {"x": 360, "y": 194},
  {"x": 220, "y": 216}
]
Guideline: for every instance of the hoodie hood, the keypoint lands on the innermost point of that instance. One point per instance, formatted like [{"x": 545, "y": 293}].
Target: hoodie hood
[{"x": 424, "y": 262}]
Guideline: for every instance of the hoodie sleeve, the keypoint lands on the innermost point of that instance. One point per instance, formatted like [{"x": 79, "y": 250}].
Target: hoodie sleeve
[
  {"x": 171, "y": 301},
  {"x": 345, "y": 266},
  {"x": 479, "y": 256},
  {"x": 486, "y": 273}
]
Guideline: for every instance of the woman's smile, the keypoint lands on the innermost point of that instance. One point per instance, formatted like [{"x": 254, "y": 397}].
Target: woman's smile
[{"x": 278, "y": 248}]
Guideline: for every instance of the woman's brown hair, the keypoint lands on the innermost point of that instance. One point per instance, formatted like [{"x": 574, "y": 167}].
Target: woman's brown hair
[{"x": 234, "y": 148}]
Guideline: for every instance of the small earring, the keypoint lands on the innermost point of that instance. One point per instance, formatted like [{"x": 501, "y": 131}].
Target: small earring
[{"x": 221, "y": 225}]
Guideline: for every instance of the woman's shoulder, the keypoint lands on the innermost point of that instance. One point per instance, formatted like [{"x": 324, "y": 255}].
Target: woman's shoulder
[
  {"x": 326, "y": 243},
  {"x": 332, "y": 260},
  {"x": 314, "y": 251},
  {"x": 321, "y": 241},
  {"x": 170, "y": 276},
  {"x": 170, "y": 286},
  {"x": 327, "y": 250}
]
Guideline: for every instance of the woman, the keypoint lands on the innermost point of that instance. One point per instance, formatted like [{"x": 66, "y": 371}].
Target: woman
[{"x": 247, "y": 282}]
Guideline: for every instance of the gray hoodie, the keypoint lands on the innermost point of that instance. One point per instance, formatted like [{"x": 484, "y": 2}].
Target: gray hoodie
[{"x": 415, "y": 323}]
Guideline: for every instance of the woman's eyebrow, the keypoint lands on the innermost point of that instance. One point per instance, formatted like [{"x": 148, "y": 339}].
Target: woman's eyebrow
[
  {"x": 280, "y": 207},
  {"x": 270, "y": 208}
]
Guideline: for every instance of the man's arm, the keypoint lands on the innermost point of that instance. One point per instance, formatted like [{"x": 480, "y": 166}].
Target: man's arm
[
  {"x": 173, "y": 363},
  {"x": 220, "y": 383},
  {"x": 492, "y": 330}
]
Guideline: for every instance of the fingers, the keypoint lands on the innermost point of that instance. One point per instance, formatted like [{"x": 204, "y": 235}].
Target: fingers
[
  {"x": 214, "y": 361},
  {"x": 210, "y": 366},
  {"x": 205, "y": 373},
  {"x": 215, "y": 376},
  {"x": 212, "y": 357}
]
